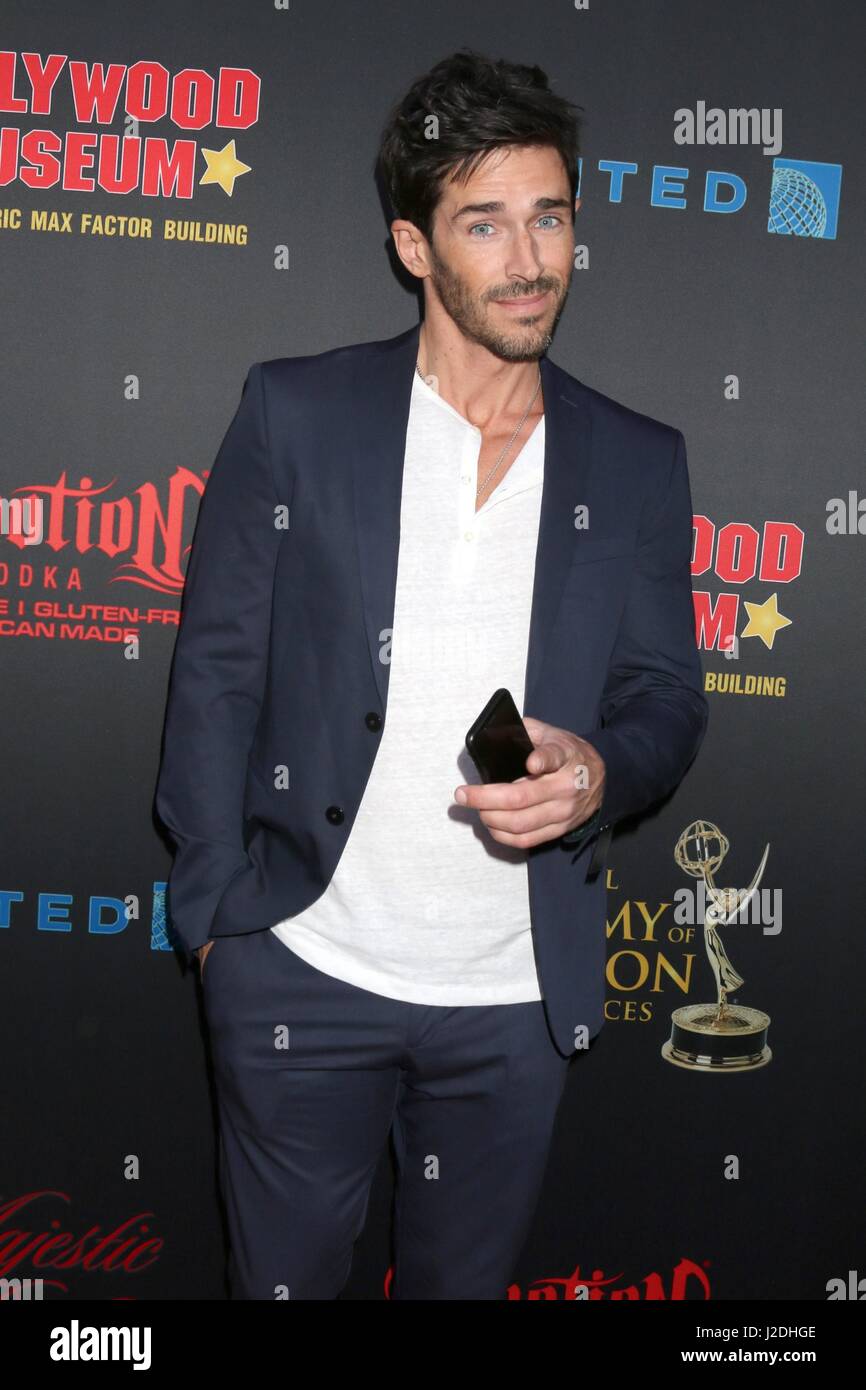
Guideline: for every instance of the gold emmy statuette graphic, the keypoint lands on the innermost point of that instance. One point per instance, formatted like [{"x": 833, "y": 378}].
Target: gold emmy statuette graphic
[{"x": 717, "y": 1037}]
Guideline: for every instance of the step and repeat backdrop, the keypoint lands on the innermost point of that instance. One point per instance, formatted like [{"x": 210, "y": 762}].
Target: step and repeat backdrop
[{"x": 186, "y": 189}]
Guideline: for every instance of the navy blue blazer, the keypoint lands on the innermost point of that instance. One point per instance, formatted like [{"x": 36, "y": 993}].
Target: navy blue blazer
[{"x": 288, "y": 605}]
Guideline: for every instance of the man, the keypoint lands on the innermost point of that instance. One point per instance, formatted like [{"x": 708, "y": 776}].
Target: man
[{"x": 392, "y": 531}]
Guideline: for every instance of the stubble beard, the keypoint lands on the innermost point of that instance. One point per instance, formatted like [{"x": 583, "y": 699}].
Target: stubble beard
[{"x": 525, "y": 343}]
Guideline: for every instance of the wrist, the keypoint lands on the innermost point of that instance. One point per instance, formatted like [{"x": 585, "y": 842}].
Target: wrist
[{"x": 584, "y": 831}]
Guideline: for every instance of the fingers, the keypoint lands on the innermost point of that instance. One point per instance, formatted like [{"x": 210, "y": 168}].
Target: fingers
[
  {"x": 530, "y": 790},
  {"x": 535, "y": 728},
  {"x": 547, "y": 757},
  {"x": 546, "y": 816}
]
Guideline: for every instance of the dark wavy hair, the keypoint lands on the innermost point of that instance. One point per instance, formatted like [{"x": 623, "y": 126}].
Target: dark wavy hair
[{"x": 481, "y": 104}]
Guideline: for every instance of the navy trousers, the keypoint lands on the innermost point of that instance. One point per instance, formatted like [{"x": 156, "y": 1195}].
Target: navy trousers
[{"x": 313, "y": 1073}]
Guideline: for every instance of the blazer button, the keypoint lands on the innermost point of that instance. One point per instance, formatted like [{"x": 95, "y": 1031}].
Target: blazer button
[
  {"x": 373, "y": 721},
  {"x": 335, "y": 815}
]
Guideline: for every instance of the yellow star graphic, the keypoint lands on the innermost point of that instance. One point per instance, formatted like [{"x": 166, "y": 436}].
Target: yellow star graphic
[
  {"x": 223, "y": 167},
  {"x": 765, "y": 620}
]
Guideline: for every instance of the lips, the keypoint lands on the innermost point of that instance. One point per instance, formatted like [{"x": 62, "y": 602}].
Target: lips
[{"x": 526, "y": 300}]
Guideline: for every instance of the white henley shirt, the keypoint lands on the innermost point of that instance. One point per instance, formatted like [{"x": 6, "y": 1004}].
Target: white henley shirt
[{"x": 424, "y": 905}]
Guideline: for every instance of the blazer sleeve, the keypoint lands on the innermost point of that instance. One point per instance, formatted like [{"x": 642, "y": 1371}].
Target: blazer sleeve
[
  {"x": 218, "y": 669},
  {"x": 654, "y": 712}
]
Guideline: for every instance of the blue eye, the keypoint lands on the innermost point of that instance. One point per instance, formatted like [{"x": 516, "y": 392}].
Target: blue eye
[{"x": 548, "y": 216}]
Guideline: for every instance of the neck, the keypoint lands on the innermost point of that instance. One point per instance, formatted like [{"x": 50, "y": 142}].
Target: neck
[{"x": 483, "y": 388}]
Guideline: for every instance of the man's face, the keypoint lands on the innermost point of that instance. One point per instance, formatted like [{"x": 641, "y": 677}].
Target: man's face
[{"x": 503, "y": 237}]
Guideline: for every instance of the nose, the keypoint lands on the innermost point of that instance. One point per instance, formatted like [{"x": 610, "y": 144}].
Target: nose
[{"x": 524, "y": 261}]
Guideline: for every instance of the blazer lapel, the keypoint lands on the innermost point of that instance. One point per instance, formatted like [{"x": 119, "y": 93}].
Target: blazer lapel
[
  {"x": 379, "y": 424},
  {"x": 379, "y": 420},
  {"x": 567, "y": 462}
]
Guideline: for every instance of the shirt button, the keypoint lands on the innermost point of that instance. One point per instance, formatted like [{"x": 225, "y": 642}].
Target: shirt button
[{"x": 467, "y": 535}]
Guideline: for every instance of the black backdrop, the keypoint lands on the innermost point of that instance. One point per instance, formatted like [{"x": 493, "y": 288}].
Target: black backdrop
[{"x": 124, "y": 359}]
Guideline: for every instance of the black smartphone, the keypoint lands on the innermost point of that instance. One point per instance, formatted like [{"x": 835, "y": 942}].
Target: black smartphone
[{"x": 498, "y": 743}]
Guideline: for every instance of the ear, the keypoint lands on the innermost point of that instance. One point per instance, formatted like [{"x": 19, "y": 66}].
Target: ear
[{"x": 409, "y": 244}]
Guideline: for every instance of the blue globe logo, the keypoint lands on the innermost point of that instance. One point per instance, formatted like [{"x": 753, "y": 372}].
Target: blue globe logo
[
  {"x": 797, "y": 204},
  {"x": 159, "y": 932}
]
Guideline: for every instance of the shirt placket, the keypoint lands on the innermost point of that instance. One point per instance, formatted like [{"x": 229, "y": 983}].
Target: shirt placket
[{"x": 468, "y": 521}]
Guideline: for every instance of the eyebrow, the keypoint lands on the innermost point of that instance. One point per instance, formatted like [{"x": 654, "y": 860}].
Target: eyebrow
[{"x": 540, "y": 205}]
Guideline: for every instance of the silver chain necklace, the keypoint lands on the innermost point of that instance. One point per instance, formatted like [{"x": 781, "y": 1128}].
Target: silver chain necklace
[{"x": 498, "y": 463}]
